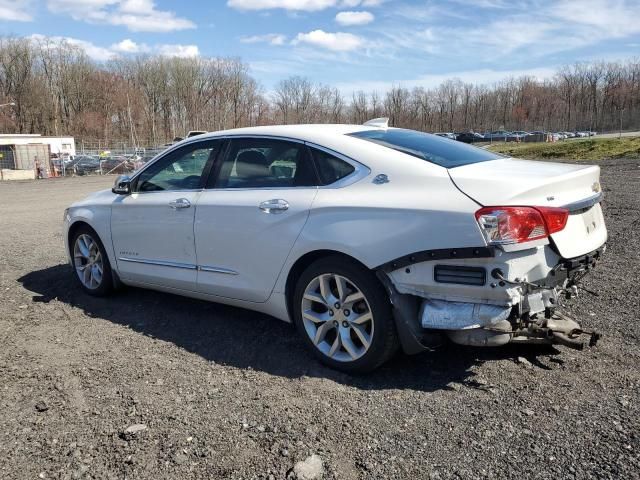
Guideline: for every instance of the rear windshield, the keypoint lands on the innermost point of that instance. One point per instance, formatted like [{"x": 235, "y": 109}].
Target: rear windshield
[{"x": 441, "y": 151}]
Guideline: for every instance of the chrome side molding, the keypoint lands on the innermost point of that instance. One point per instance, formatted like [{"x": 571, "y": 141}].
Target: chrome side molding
[
  {"x": 187, "y": 266},
  {"x": 226, "y": 271},
  {"x": 160, "y": 263}
]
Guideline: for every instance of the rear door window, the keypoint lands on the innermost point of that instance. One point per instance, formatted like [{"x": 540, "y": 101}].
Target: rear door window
[{"x": 266, "y": 163}]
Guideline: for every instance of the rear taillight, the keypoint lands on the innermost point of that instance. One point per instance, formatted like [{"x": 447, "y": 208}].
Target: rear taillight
[{"x": 504, "y": 225}]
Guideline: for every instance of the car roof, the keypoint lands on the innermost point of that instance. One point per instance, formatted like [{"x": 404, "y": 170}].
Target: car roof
[{"x": 307, "y": 132}]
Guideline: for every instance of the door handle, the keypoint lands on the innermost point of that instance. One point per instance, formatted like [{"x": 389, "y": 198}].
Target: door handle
[
  {"x": 180, "y": 203},
  {"x": 274, "y": 206}
]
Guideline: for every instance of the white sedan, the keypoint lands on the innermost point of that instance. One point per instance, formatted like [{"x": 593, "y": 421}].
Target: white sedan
[{"x": 367, "y": 238}]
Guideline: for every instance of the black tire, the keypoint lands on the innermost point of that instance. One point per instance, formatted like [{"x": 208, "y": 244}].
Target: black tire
[
  {"x": 106, "y": 285},
  {"x": 384, "y": 341}
]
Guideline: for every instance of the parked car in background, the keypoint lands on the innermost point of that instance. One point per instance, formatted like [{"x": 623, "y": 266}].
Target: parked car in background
[
  {"x": 470, "y": 137},
  {"x": 84, "y": 165},
  {"x": 449, "y": 135},
  {"x": 116, "y": 164},
  {"x": 329, "y": 227},
  {"x": 520, "y": 133},
  {"x": 497, "y": 135}
]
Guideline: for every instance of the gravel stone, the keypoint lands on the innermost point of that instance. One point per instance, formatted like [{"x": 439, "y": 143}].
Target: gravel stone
[
  {"x": 524, "y": 362},
  {"x": 309, "y": 469}
]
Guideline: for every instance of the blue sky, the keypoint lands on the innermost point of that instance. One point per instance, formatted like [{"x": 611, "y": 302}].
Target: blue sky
[{"x": 352, "y": 44}]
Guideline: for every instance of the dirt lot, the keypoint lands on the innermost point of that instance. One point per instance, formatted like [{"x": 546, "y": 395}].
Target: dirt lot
[{"x": 227, "y": 393}]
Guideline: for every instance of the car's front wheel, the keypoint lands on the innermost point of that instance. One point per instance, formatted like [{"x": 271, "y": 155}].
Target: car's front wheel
[
  {"x": 91, "y": 263},
  {"x": 344, "y": 315}
]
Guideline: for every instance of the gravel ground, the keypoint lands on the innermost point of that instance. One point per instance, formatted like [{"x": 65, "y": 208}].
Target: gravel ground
[{"x": 150, "y": 385}]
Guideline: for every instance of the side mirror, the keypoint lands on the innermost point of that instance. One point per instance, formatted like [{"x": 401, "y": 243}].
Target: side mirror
[{"x": 122, "y": 185}]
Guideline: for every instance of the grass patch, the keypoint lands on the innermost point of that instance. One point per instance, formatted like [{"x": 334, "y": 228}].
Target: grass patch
[{"x": 587, "y": 149}]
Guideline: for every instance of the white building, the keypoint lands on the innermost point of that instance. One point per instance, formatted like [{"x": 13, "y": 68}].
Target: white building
[{"x": 32, "y": 151}]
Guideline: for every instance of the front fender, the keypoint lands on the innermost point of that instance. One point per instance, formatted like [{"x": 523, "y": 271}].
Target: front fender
[{"x": 99, "y": 219}]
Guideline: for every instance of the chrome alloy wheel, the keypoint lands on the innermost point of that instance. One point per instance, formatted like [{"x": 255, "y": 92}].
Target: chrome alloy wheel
[
  {"x": 337, "y": 317},
  {"x": 88, "y": 261}
]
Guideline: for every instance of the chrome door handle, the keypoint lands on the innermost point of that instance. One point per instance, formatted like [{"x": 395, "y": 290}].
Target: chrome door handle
[
  {"x": 180, "y": 203},
  {"x": 276, "y": 205}
]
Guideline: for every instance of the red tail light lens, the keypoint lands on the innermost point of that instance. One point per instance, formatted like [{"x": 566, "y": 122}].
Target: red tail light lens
[
  {"x": 505, "y": 225},
  {"x": 555, "y": 218}
]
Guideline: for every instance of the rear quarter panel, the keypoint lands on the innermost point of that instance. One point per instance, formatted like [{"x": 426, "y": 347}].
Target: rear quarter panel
[{"x": 377, "y": 223}]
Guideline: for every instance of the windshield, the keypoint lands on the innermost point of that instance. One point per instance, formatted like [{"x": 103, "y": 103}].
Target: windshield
[{"x": 441, "y": 151}]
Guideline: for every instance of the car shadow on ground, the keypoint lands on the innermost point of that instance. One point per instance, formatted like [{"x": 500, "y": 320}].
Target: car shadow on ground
[{"x": 245, "y": 339}]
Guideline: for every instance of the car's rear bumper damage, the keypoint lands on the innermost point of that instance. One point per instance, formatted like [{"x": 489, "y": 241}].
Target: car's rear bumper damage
[{"x": 518, "y": 299}]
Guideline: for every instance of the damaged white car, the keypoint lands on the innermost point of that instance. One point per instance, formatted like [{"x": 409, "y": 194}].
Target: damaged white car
[{"x": 368, "y": 238}]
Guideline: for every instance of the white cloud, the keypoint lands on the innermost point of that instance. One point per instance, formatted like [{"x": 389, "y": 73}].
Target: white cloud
[
  {"x": 361, "y": 3},
  {"x": 292, "y": 5},
  {"x": 337, "y": 42},
  {"x": 129, "y": 46},
  {"x": 124, "y": 47},
  {"x": 272, "y": 38},
  {"x": 136, "y": 6},
  {"x": 135, "y": 15},
  {"x": 183, "y": 51},
  {"x": 613, "y": 18},
  {"x": 15, "y": 10},
  {"x": 519, "y": 32},
  {"x": 354, "y": 18},
  {"x": 93, "y": 51},
  {"x": 299, "y": 5}
]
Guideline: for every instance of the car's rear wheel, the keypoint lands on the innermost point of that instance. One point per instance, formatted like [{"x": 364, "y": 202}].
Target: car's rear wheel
[
  {"x": 91, "y": 263},
  {"x": 344, "y": 315}
]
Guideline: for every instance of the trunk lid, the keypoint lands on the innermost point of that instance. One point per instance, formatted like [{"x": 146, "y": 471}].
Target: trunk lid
[{"x": 509, "y": 181}]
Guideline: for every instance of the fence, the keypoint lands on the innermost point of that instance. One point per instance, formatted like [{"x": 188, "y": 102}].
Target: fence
[{"x": 102, "y": 158}]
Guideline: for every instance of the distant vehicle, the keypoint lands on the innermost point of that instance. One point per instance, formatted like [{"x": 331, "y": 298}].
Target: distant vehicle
[
  {"x": 591, "y": 134},
  {"x": 119, "y": 164},
  {"x": 148, "y": 156},
  {"x": 497, "y": 135},
  {"x": 449, "y": 135},
  {"x": 194, "y": 133},
  {"x": 520, "y": 133},
  {"x": 86, "y": 165},
  {"x": 324, "y": 226},
  {"x": 470, "y": 137},
  {"x": 570, "y": 134},
  {"x": 582, "y": 134}
]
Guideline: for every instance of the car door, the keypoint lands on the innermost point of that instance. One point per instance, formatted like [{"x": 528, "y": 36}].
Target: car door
[
  {"x": 249, "y": 217},
  {"x": 152, "y": 228}
]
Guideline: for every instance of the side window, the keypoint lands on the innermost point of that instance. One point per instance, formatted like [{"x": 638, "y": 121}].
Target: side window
[
  {"x": 179, "y": 170},
  {"x": 264, "y": 163},
  {"x": 330, "y": 168}
]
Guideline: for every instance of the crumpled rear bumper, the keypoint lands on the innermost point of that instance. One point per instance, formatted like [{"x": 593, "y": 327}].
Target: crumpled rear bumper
[{"x": 510, "y": 309}]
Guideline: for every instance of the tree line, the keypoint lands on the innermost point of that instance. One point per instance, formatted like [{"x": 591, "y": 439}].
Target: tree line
[{"x": 148, "y": 100}]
